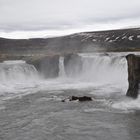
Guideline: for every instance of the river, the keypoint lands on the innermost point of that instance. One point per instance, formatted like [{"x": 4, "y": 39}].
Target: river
[{"x": 31, "y": 107}]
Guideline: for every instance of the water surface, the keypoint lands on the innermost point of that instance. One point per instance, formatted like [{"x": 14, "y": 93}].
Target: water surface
[{"x": 31, "y": 108}]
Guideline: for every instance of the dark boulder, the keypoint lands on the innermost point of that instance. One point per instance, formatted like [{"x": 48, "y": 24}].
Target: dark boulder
[
  {"x": 80, "y": 99},
  {"x": 133, "y": 75}
]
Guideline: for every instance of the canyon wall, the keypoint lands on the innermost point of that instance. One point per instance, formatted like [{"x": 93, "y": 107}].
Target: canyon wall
[{"x": 133, "y": 75}]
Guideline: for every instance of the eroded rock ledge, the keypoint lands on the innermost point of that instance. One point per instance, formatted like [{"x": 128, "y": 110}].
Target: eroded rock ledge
[
  {"x": 47, "y": 66},
  {"x": 133, "y": 75}
]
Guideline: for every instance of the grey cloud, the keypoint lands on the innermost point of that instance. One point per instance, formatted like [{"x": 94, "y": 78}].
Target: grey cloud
[{"x": 63, "y": 14}]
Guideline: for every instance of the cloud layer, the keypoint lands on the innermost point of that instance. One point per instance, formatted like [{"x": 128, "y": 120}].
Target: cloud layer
[{"x": 63, "y": 15}]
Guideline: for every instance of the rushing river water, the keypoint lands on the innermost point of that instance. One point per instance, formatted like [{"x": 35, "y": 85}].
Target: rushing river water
[{"x": 31, "y": 107}]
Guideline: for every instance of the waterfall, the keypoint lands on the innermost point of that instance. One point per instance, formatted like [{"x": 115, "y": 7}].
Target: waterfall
[
  {"x": 98, "y": 68},
  {"x": 104, "y": 69},
  {"x": 17, "y": 71},
  {"x": 61, "y": 67},
  {"x": 84, "y": 71}
]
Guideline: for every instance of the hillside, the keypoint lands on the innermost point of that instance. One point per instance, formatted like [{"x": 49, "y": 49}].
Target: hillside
[{"x": 113, "y": 40}]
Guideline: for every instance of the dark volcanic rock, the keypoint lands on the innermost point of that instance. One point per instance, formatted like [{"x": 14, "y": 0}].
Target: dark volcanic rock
[
  {"x": 72, "y": 64},
  {"x": 48, "y": 66},
  {"x": 133, "y": 75},
  {"x": 81, "y": 99}
]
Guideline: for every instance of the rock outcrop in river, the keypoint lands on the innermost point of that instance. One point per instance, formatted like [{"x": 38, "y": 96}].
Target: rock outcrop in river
[
  {"x": 133, "y": 75},
  {"x": 48, "y": 66}
]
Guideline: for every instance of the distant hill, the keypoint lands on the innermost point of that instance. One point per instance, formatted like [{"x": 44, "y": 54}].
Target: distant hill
[{"x": 113, "y": 40}]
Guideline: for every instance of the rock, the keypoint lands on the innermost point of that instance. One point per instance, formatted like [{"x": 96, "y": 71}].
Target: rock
[
  {"x": 48, "y": 66},
  {"x": 133, "y": 75},
  {"x": 72, "y": 64},
  {"x": 80, "y": 99}
]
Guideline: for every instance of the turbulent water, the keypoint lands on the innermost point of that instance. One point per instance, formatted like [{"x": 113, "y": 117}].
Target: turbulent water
[{"x": 31, "y": 107}]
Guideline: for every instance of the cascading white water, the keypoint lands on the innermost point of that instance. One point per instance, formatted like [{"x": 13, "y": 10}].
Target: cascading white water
[
  {"x": 61, "y": 67},
  {"x": 95, "y": 68},
  {"x": 104, "y": 69},
  {"x": 99, "y": 69},
  {"x": 18, "y": 77},
  {"x": 17, "y": 71}
]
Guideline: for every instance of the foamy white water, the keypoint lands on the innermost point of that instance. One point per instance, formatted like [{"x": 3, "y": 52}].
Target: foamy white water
[
  {"x": 127, "y": 105},
  {"x": 17, "y": 71}
]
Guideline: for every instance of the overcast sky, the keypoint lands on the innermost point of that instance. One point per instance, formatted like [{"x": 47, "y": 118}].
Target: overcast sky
[{"x": 37, "y": 18}]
